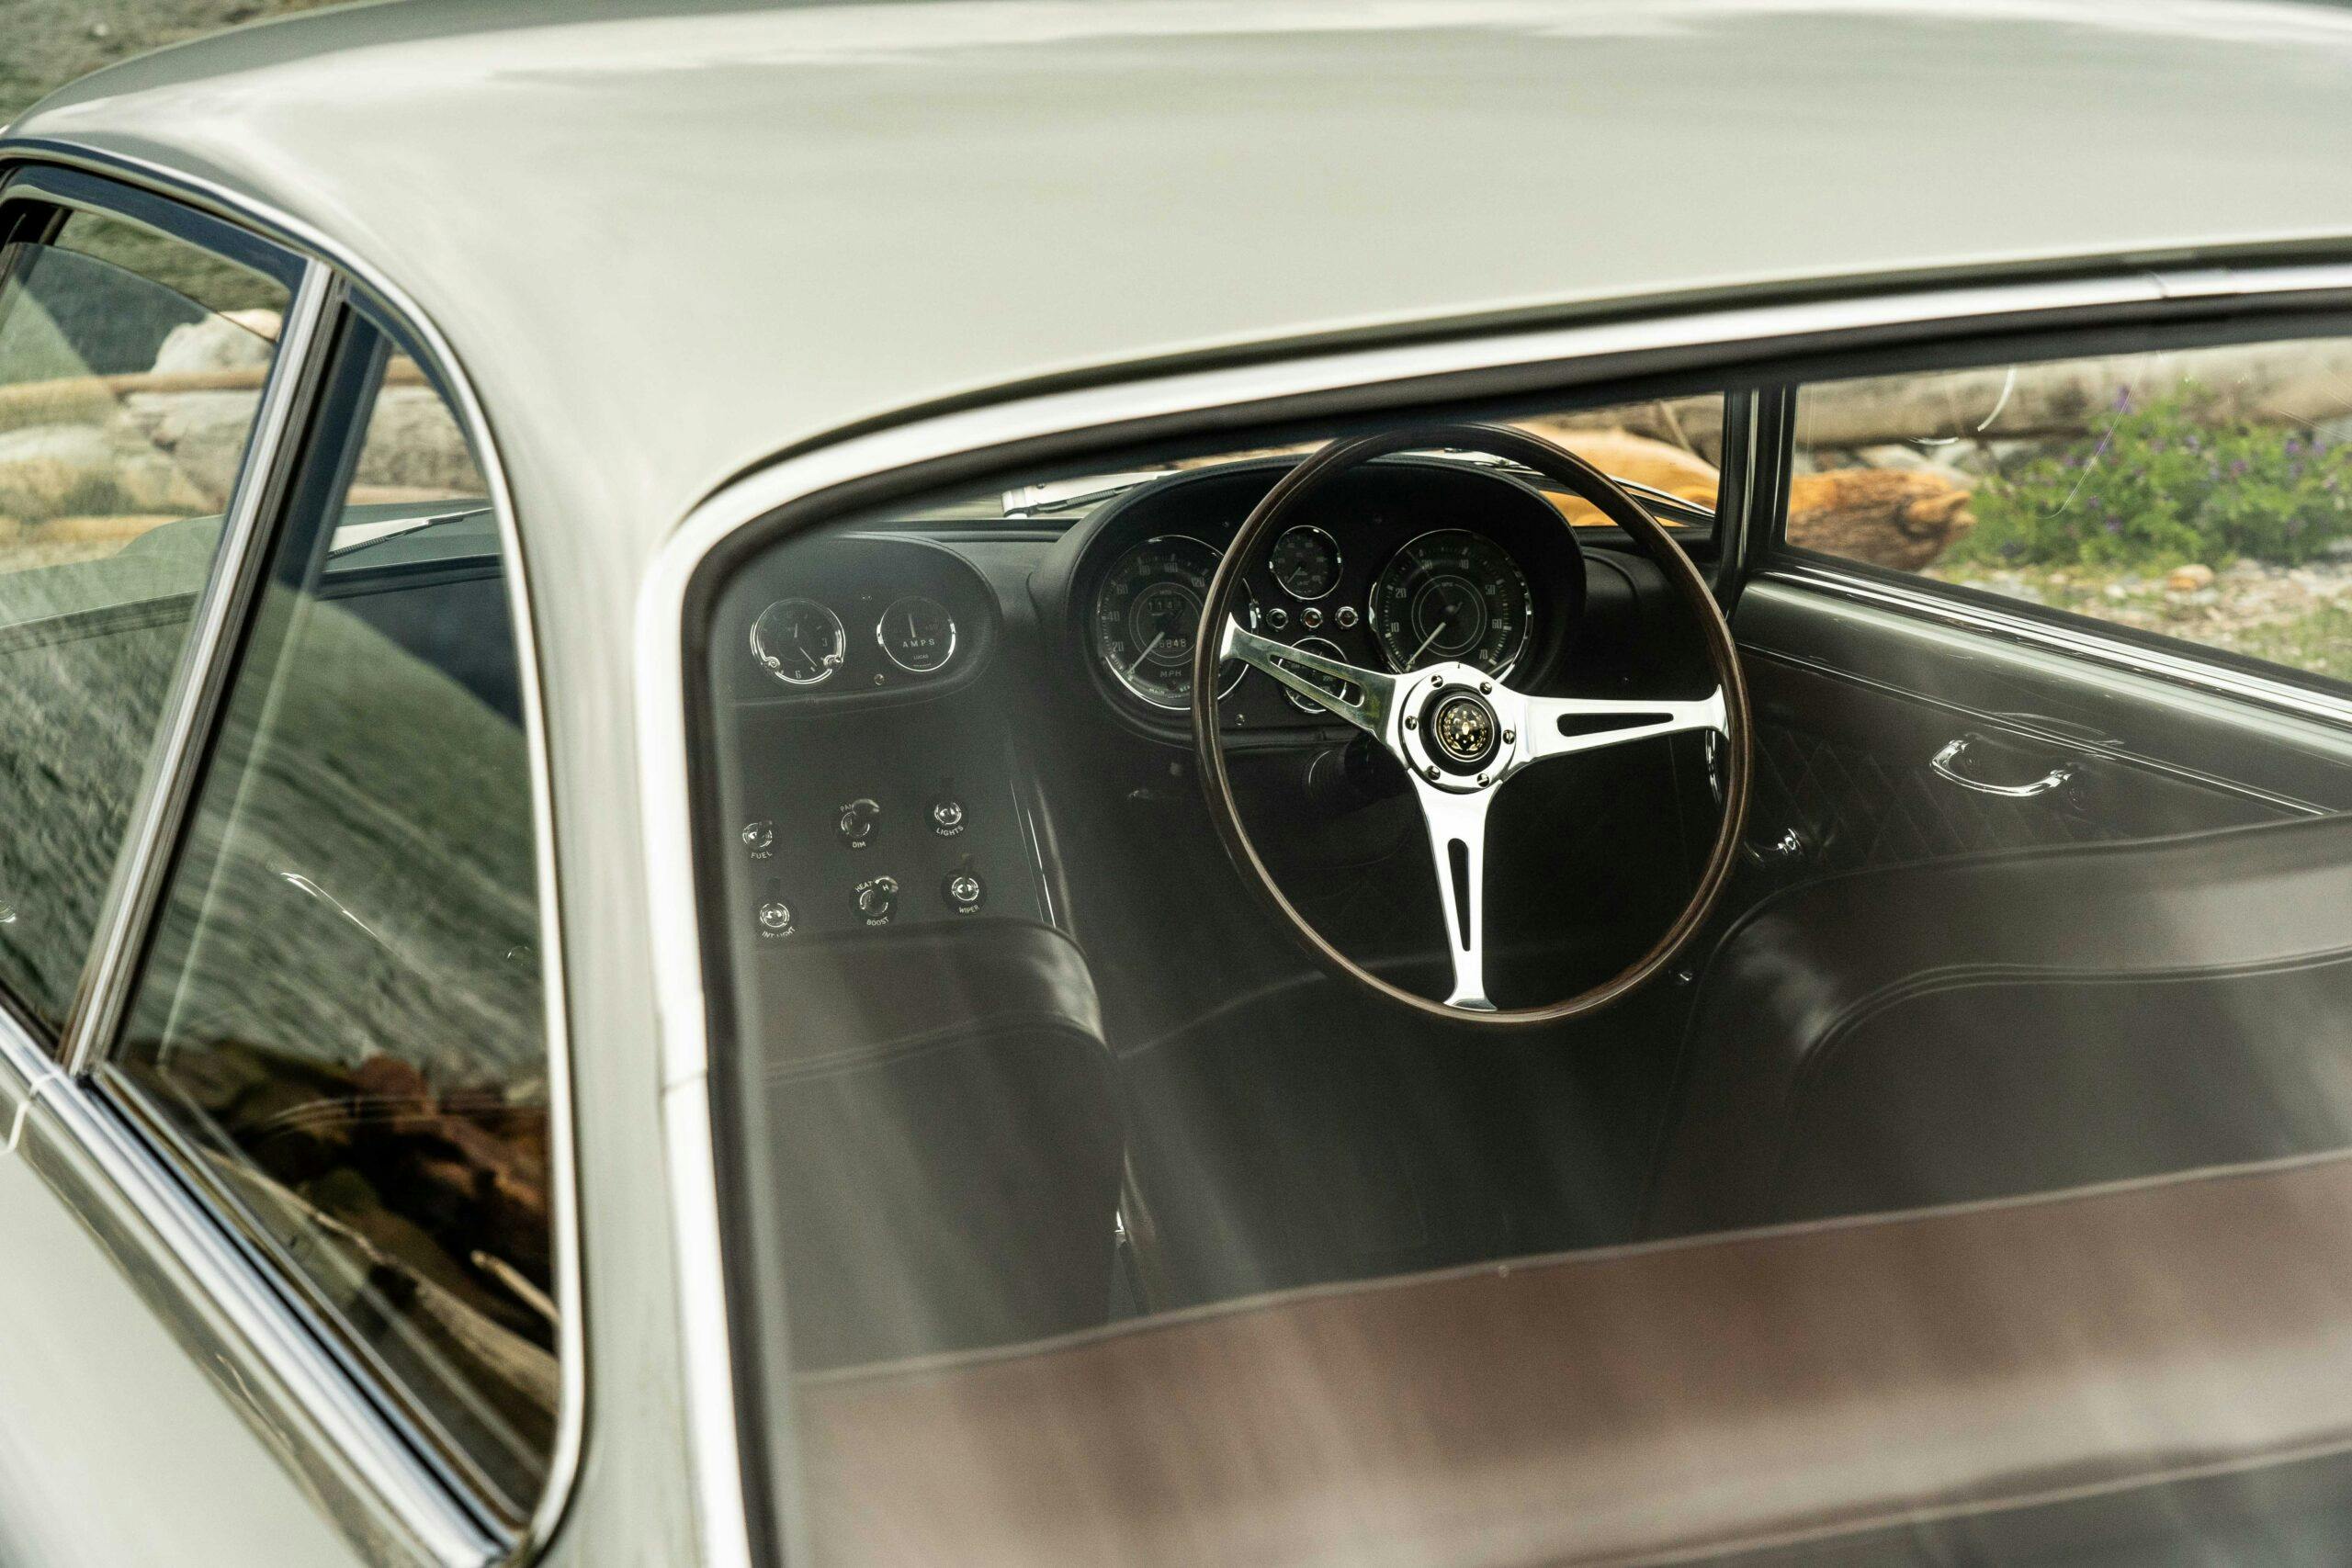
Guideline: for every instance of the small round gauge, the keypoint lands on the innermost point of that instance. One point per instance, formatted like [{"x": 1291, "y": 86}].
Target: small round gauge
[
  {"x": 1451, "y": 595},
  {"x": 918, "y": 634},
  {"x": 1329, "y": 650},
  {"x": 1147, "y": 615},
  {"x": 800, "y": 642},
  {"x": 1306, "y": 562}
]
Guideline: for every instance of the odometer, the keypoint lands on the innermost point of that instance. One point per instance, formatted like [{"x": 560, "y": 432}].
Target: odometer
[
  {"x": 1452, "y": 597},
  {"x": 1147, "y": 613}
]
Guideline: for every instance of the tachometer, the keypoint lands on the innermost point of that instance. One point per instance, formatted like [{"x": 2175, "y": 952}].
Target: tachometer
[
  {"x": 1146, "y": 614},
  {"x": 800, "y": 642},
  {"x": 1451, "y": 595}
]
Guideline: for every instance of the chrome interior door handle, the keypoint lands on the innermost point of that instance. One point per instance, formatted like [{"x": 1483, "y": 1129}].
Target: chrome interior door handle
[{"x": 1945, "y": 762}]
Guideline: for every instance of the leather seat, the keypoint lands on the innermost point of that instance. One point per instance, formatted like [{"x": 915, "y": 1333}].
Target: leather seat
[
  {"x": 2019, "y": 1022},
  {"x": 2160, "y": 1371},
  {"x": 939, "y": 1160}
]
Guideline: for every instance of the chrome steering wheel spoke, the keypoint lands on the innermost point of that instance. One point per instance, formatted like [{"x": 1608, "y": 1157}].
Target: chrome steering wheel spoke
[
  {"x": 1460, "y": 733},
  {"x": 1562, "y": 727},
  {"x": 1457, "y": 826},
  {"x": 1370, "y": 709}
]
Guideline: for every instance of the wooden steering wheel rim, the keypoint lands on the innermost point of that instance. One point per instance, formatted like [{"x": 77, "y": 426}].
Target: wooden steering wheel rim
[{"x": 1610, "y": 499}]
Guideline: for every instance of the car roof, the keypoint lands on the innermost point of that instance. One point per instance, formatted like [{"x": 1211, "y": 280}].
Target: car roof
[{"x": 668, "y": 239}]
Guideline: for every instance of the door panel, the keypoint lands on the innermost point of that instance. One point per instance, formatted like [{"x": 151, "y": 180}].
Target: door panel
[
  {"x": 1858, "y": 705},
  {"x": 116, "y": 1449}
]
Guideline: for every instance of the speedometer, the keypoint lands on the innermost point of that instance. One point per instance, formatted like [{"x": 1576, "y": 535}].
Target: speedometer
[
  {"x": 1147, "y": 613},
  {"x": 1452, "y": 597}
]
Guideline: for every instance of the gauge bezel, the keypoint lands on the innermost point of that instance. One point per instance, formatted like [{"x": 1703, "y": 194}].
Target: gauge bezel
[
  {"x": 1095, "y": 603},
  {"x": 882, "y": 640},
  {"x": 1526, "y": 590},
  {"x": 826, "y": 671},
  {"x": 1329, "y": 649},
  {"x": 1338, "y": 562}
]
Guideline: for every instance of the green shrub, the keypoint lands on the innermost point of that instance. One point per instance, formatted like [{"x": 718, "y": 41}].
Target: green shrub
[{"x": 2169, "y": 482}]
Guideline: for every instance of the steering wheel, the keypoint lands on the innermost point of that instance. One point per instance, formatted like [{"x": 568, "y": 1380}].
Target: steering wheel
[{"x": 1462, "y": 734}]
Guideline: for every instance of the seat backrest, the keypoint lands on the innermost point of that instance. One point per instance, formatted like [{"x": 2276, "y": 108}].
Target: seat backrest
[
  {"x": 942, "y": 1159},
  {"x": 1951, "y": 1386},
  {"x": 2019, "y": 1022}
]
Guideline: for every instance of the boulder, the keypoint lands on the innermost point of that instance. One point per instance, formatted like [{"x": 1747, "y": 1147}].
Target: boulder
[
  {"x": 1885, "y": 516},
  {"x": 56, "y": 470},
  {"x": 414, "y": 446},
  {"x": 216, "y": 343},
  {"x": 204, "y": 431}
]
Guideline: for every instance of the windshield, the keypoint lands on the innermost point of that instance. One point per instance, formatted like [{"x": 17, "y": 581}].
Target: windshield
[
  {"x": 1272, "y": 1011},
  {"x": 1665, "y": 452}
]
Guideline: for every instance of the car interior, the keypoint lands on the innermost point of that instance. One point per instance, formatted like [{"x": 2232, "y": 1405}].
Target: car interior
[{"x": 1152, "y": 1093}]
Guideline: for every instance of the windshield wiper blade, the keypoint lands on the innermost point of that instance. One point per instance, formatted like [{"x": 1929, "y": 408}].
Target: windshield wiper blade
[{"x": 404, "y": 528}]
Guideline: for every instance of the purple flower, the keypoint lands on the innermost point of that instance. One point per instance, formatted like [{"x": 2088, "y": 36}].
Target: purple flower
[
  {"x": 2122, "y": 403},
  {"x": 2193, "y": 444},
  {"x": 2295, "y": 446},
  {"x": 2238, "y": 468},
  {"x": 2114, "y": 526}
]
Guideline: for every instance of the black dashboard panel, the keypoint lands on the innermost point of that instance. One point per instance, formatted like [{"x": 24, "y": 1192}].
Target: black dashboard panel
[
  {"x": 878, "y": 766},
  {"x": 880, "y": 795},
  {"x": 1326, "y": 590},
  {"x": 861, "y": 589}
]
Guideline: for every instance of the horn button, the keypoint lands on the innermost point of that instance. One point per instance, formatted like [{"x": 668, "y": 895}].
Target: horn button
[{"x": 1463, "y": 733}]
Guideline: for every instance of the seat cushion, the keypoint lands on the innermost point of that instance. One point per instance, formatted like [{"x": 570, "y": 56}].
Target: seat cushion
[
  {"x": 2017, "y": 1022},
  {"x": 1978, "y": 1370}
]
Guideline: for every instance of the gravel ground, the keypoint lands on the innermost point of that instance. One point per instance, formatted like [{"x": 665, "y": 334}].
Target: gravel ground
[{"x": 2298, "y": 615}]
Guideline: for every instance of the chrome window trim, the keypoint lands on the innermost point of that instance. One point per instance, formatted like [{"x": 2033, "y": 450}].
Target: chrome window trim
[
  {"x": 1823, "y": 576},
  {"x": 258, "y": 1321},
  {"x": 1413, "y": 371},
  {"x": 203, "y": 674}
]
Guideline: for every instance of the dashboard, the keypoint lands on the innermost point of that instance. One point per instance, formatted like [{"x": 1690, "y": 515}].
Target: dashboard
[
  {"x": 890, "y": 696},
  {"x": 1400, "y": 564}
]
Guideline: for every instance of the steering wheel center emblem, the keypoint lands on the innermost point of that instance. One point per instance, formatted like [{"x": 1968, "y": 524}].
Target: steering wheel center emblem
[{"x": 1463, "y": 726}]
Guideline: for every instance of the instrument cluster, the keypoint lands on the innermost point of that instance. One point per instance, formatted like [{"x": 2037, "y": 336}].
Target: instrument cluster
[
  {"x": 1408, "y": 563},
  {"x": 860, "y": 619}
]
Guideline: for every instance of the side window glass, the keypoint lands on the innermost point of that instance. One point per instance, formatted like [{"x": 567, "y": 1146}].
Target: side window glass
[
  {"x": 2205, "y": 494},
  {"x": 340, "y": 1020},
  {"x": 125, "y": 410}
]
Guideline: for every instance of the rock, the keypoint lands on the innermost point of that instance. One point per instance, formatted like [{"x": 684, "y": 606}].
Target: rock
[
  {"x": 1911, "y": 460},
  {"x": 57, "y": 471},
  {"x": 2189, "y": 579},
  {"x": 204, "y": 432},
  {"x": 216, "y": 343},
  {"x": 413, "y": 445},
  {"x": 1878, "y": 516},
  {"x": 261, "y": 324}
]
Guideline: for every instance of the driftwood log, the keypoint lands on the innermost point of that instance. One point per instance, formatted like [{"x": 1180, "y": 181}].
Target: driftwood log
[
  {"x": 1888, "y": 517},
  {"x": 2061, "y": 400},
  {"x": 1885, "y": 516}
]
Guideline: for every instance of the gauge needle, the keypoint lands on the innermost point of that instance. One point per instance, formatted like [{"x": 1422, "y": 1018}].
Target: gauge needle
[
  {"x": 1434, "y": 632},
  {"x": 1147, "y": 653}
]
